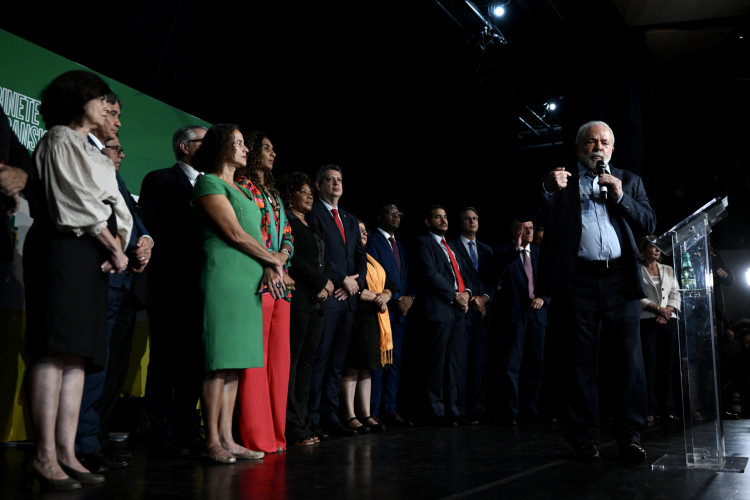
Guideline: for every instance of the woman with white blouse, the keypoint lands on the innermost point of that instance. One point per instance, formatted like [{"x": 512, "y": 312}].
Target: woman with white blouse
[{"x": 659, "y": 332}]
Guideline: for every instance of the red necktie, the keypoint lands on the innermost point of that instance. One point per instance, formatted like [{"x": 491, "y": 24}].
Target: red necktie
[
  {"x": 338, "y": 223},
  {"x": 395, "y": 252},
  {"x": 454, "y": 264}
]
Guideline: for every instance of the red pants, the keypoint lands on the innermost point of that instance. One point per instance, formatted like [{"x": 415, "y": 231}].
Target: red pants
[{"x": 263, "y": 391}]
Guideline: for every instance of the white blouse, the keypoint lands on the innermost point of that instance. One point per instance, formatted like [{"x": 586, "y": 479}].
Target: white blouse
[{"x": 80, "y": 185}]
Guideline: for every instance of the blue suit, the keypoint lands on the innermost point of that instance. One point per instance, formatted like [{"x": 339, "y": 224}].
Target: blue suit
[
  {"x": 345, "y": 258},
  {"x": 473, "y": 390},
  {"x": 380, "y": 249},
  {"x": 522, "y": 331},
  {"x": 89, "y": 421}
]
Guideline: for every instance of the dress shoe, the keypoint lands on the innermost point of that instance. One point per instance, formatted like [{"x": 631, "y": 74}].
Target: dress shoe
[
  {"x": 97, "y": 463},
  {"x": 587, "y": 453},
  {"x": 34, "y": 476},
  {"x": 443, "y": 421},
  {"x": 377, "y": 426},
  {"x": 251, "y": 454},
  {"x": 82, "y": 477},
  {"x": 396, "y": 420},
  {"x": 218, "y": 455},
  {"x": 632, "y": 452},
  {"x": 319, "y": 435},
  {"x": 338, "y": 429},
  {"x": 361, "y": 428},
  {"x": 464, "y": 420}
]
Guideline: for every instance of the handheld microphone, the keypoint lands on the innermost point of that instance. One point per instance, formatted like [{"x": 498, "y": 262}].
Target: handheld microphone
[{"x": 601, "y": 168}]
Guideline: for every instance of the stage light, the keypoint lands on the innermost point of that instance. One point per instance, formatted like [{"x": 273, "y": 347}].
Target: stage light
[
  {"x": 550, "y": 106},
  {"x": 497, "y": 9},
  {"x": 747, "y": 277}
]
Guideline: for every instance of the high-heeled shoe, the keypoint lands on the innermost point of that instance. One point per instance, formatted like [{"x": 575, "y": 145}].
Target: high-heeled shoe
[
  {"x": 82, "y": 477},
  {"x": 35, "y": 477}
]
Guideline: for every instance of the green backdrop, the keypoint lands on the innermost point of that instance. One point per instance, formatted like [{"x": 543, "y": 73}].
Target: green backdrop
[{"x": 147, "y": 124}]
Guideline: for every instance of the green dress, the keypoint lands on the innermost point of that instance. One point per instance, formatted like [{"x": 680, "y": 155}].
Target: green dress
[{"x": 232, "y": 310}]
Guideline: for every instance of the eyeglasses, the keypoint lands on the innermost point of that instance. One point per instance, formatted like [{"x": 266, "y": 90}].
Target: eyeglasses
[
  {"x": 118, "y": 149},
  {"x": 195, "y": 140},
  {"x": 395, "y": 213}
]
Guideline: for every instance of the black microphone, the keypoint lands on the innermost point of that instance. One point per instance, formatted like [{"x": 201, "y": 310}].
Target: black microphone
[{"x": 601, "y": 168}]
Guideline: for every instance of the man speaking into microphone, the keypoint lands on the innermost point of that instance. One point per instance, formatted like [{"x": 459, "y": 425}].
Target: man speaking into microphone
[{"x": 588, "y": 265}]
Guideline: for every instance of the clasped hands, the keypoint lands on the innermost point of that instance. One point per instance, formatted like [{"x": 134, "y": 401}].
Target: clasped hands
[{"x": 348, "y": 287}]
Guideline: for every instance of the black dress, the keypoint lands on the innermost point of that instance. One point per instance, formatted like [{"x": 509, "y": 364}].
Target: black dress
[{"x": 364, "y": 343}]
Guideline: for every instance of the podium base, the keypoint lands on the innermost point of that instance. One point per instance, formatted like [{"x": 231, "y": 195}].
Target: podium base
[{"x": 671, "y": 462}]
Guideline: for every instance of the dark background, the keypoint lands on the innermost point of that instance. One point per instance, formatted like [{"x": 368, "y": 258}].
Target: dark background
[{"x": 406, "y": 98}]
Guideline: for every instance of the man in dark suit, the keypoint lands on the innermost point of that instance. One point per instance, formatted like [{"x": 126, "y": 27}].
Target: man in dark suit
[
  {"x": 589, "y": 267},
  {"x": 443, "y": 295},
  {"x": 15, "y": 166},
  {"x": 477, "y": 268},
  {"x": 347, "y": 271},
  {"x": 175, "y": 315},
  {"x": 522, "y": 319},
  {"x": 88, "y": 442},
  {"x": 384, "y": 248}
]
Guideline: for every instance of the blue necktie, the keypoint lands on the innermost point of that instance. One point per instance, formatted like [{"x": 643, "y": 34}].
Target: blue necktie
[{"x": 473, "y": 255}]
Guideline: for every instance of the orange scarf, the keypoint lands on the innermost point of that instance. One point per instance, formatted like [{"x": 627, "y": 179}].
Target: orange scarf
[{"x": 376, "y": 284}]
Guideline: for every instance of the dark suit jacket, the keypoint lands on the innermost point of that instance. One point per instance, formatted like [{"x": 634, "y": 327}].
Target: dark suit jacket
[
  {"x": 344, "y": 259},
  {"x": 380, "y": 249},
  {"x": 512, "y": 301},
  {"x": 483, "y": 281},
  {"x": 308, "y": 274},
  {"x": 434, "y": 280},
  {"x": 560, "y": 216},
  {"x": 165, "y": 202},
  {"x": 15, "y": 154}
]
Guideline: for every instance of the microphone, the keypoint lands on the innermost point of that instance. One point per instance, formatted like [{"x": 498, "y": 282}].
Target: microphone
[{"x": 601, "y": 168}]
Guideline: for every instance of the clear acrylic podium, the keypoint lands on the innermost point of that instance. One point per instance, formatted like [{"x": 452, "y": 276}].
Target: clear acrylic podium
[{"x": 688, "y": 243}]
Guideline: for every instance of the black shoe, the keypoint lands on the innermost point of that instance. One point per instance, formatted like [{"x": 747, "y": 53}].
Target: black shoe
[
  {"x": 632, "y": 452},
  {"x": 587, "y": 453},
  {"x": 338, "y": 429},
  {"x": 361, "y": 428},
  {"x": 443, "y": 421},
  {"x": 97, "y": 463},
  {"x": 376, "y": 427},
  {"x": 395, "y": 420},
  {"x": 464, "y": 420}
]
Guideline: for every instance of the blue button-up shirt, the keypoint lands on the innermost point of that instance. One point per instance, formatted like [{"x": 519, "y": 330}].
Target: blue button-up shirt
[{"x": 598, "y": 237}]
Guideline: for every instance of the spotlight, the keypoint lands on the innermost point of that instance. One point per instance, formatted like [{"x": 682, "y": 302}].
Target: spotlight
[
  {"x": 747, "y": 277},
  {"x": 550, "y": 106},
  {"x": 497, "y": 9}
]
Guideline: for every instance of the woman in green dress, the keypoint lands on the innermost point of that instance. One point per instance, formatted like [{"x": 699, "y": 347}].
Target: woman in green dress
[{"x": 236, "y": 265}]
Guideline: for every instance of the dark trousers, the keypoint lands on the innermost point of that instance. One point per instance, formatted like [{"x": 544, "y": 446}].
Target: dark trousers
[
  {"x": 328, "y": 364},
  {"x": 305, "y": 330},
  {"x": 524, "y": 365},
  {"x": 446, "y": 341},
  {"x": 87, "y": 434},
  {"x": 659, "y": 343},
  {"x": 598, "y": 304},
  {"x": 120, "y": 343},
  {"x": 175, "y": 371},
  {"x": 473, "y": 389},
  {"x": 385, "y": 382}
]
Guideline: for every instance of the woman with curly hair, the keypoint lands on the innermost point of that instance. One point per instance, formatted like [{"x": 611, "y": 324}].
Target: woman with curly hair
[
  {"x": 263, "y": 391},
  {"x": 311, "y": 289},
  {"x": 237, "y": 266}
]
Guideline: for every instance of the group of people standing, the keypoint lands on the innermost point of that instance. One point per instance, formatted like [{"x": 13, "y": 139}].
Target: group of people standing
[{"x": 286, "y": 307}]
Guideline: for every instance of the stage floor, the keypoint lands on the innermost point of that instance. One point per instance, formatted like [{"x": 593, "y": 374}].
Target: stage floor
[{"x": 530, "y": 461}]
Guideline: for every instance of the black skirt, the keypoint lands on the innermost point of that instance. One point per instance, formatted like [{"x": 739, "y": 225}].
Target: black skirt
[{"x": 66, "y": 295}]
